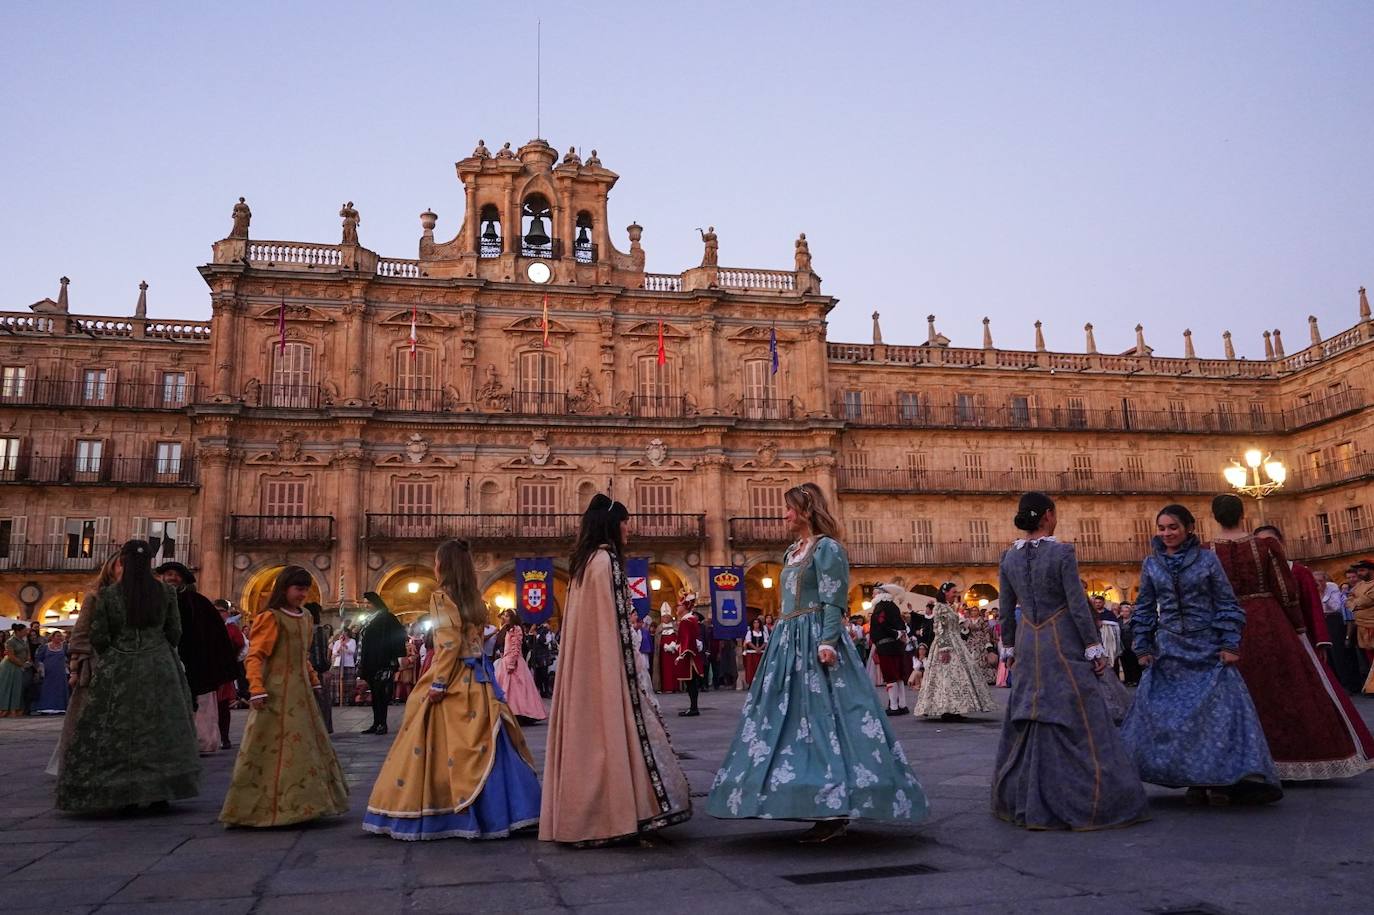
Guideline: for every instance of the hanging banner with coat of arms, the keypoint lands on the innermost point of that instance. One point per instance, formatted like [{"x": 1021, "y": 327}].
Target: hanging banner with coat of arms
[
  {"x": 728, "y": 617},
  {"x": 534, "y": 589},
  {"x": 637, "y": 578}
]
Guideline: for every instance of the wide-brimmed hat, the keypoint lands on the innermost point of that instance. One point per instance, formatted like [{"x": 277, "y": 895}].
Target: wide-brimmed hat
[{"x": 186, "y": 575}]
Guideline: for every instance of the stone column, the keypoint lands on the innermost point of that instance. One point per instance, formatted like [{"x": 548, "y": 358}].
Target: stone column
[
  {"x": 214, "y": 510},
  {"x": 348, "y": 522},
  {"x": 223, "y": 347},
  {"x": 355, "y": 384},
  {"x": 471, "y": 223},
  {"x": 717, "y": 511},
  {"x": 710, "y": 381}
]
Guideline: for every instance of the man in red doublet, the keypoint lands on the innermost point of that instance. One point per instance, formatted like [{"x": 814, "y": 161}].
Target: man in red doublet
[{"x": 691, "y": 656}]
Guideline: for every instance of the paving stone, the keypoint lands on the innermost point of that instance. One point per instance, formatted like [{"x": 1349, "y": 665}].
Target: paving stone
[
  {"x": 484, "y": 898},
  {"x": 389, "y": 902}
]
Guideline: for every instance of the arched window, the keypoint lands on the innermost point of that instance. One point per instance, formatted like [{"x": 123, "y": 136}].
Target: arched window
[
  {"x": 489, "y": 241},
  {"x": 537, "y": 388},
  {"x": 585, "y": 490},
  {"x": 657, "y": 393},
  {"x": 293, "y": 376},
  {"x": 535, "y": 219},
  {"x": 489, "y": 498},
  {"x": 584, "y": 249},
  {"x": 415, "y": 388}
]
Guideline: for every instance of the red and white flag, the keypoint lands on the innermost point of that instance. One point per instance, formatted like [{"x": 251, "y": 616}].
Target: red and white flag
[
  {"x": 281, "y": 325},
  {"x": 546, "y": 320},
  {"x": 414, "y": 338},
  {"x": 662, "y": 351}
]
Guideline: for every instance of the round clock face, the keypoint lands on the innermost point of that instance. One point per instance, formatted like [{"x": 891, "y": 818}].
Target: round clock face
[
  {"x": 539, "y": 272},
  {"x": 30, "y": 594}
]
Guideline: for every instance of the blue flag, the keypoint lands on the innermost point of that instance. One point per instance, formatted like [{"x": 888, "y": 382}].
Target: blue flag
[
  {"x": 534, "y": 589},
  {"x": 637, "y": 577},
  {"x": 728, "y": 617},
  {"x": 773, "y": 348}
]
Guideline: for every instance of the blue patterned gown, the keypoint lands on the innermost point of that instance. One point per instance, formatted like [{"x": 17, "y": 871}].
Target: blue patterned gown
[
  {"x": 1193, "y": 723},
  {"x": 813, "y": 742}
]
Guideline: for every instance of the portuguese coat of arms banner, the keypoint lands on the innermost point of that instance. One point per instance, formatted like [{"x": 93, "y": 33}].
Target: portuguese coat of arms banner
[{"x": 534, "y": 589}]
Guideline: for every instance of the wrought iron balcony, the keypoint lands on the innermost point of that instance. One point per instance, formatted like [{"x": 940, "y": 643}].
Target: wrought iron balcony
[
  {"x": 758, "y": 530},
  {"x": 648, "y": 406},
  {"x": 539, "y": 403},
  {"x": 1336, "y": 543},
  {"x": 1332, "y": 472},
  {"x": 766, "y": 408},
  {"x": 473, "y": 527},
  {"x": 60, "y": 556},
  {"x": 110, "y": 395},
  {"x": 286, "y": 397},
  {"x": 249, "y": 530},
  {"x": 852, "y": 479},
  {"x": 417, "y": 400},
  {"x": 118, "y": 471},
  {"x": 909, "y": 553},
  {"x": 585, "y": 252},
  {"x": 670, "y": 526}
]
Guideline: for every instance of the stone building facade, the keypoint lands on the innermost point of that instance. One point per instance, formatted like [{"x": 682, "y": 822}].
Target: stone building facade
[{"x": 344, "y": 411}]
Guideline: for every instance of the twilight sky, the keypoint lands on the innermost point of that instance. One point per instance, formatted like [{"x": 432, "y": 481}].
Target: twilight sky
[{"x": 1180, "y": 164}]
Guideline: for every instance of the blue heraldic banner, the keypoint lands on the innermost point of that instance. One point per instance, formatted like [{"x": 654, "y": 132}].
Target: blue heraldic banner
[
  {"x": 728, "y": 617},
  {"x": 637, "y": 577},
  {"x": 534, "y": 589}
]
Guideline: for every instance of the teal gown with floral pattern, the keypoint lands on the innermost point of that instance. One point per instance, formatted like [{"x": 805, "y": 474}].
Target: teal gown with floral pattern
[{"x": 813, "y": 742}]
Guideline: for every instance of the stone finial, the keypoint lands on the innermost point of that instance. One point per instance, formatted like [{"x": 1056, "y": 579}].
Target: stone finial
[
  {"x": 1230, "y": 347},
  {"x": 1140, "y": 348},
  {"x": 877, "y": 330},
  {"x": 636, "y": 232},
  {"x": 987, "y": 333},
  {"x": 1039, "y": 338},
  {"x": 141, "y": 309},
  {"x": 930, "y": 329},
  {"x": 1188, "y": 351},
  {"x": 62, "y": 304},
  {"x": 1364, "y": 305},
  {"x": 428, "y": 220},
  {"x": 1278, "y": 343},
  {"x": 1314, "y": 330},
  {"x": 1268, "y": 345},
  {"x": 1091, "y": 341},
  {"x": 241, "y": 216}
]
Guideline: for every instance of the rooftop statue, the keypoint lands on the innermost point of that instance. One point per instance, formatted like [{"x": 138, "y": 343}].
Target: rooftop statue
[
  {"x": 505, "y": 152},
  {"x": 572, "y": 158},
  {"x": 593, "y": 161},
  {"x": 710, "y": 256},
  {"x": 803, "y": 254},
  {"x": 350, "y": 223},
  {"x": 242, "y": 216},
  {"x": 481, "y": 152}
]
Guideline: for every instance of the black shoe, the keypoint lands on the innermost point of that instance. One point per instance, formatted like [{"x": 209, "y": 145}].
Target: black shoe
[
  {"x": 226, "y": 745},
  {"x": 894, "y": 712},
  {"x": 690, "y": 713},
  {"x": 371, "y": 730},
  {"x": 381, "y": 729}
]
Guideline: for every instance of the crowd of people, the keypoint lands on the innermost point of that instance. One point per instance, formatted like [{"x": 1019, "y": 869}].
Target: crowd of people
[{"x": 1242, "y": 664}]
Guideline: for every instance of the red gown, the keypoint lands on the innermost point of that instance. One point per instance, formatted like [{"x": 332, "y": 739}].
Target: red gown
[
  {"x": 754, "y": 645},
  {"x": 1312, "y": 729},
  {"x": 668, "y": 645},
  {"x": 691, "y": 660},
  {"x": 1310, "y": 603}
]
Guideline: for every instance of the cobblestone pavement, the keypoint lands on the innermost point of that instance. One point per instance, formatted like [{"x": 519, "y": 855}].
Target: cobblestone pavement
[{"x": 1313, "y": 852}]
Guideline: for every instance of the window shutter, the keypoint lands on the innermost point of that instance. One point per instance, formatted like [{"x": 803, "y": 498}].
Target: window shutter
[
  {"x": 111, "y": 388},
  {"x": 57, "y": 534},
  {"x": 21, "y": 465},
  {"x": 106, "y": 459},
  {"x": 183, "y": 551},
  {"x": 139, "y": 530},
  {"x": 191, "y": 387},
  {"x": 18, "y": 533},
  {"x": 102, "y": 534}
]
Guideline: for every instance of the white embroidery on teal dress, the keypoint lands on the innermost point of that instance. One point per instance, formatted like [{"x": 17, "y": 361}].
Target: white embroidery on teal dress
[
  {"x": 781, "y": 776},
  {"x": 872, "y": 728},
  {"x": 736, "y": 796},
  {"x": 863, "y": 776}
]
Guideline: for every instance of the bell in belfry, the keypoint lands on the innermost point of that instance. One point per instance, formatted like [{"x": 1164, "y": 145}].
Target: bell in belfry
[
  {"x": 582, "y": 238},
  {"x": 489, "y": 233},
  {"x": 537, "y": 237}
]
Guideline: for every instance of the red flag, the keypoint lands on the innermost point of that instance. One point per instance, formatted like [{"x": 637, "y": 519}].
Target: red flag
[
  {"x": 662, "y": 353},
  {"x": 281, "y": 325},
  {"x": 413, "y": 337},
  {"x": 545, "y": 322}
]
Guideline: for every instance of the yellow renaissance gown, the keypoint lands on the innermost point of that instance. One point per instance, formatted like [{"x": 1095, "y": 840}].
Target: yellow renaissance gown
[
  {"x": 286, "y": 771},
  {"x": 459, "y": 767}
]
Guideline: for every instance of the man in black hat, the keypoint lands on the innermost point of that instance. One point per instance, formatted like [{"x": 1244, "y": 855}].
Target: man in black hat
[{"x": 206, "y": 652}]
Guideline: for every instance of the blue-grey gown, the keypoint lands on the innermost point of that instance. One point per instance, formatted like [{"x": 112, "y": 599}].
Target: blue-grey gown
[
  {"x": 1060, "y": 763},
  {"x": 1193, "y": 723},
  {"x": 813, "y": 742}
]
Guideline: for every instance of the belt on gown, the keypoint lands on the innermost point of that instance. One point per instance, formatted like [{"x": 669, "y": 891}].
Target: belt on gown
[
  {"x": 802, "y": 612},
  {"x": 484, "y": 672}
]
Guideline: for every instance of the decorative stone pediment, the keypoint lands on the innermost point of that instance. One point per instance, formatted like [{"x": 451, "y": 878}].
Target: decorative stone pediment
[
  {"x": 756, "y": 332},
  {"x": 535, "y": 325},
  {"x": 422, "y": 319},
  {"x": 288, "y": 451},
  {"x": 650, "y": 329},
  {"x": 295, "y": 314}
]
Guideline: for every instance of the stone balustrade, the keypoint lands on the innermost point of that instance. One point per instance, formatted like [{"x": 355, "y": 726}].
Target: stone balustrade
[
  {"x": 744, "y": 278},
  {"x": 663, "y": 282},
  {"x": 394, "y": 267},
  {"x": 270, "y": 254}
]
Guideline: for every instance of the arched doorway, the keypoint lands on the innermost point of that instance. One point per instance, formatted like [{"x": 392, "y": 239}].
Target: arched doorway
[
  {"x": 406, "y": 590},
  {"x": 980, "y": 595},
  {"x": 60, "y": 609},
  {"x": 665, "y": 584},
  {"x": 762, "y": 594},
  {"x": 259, "y": 588}
]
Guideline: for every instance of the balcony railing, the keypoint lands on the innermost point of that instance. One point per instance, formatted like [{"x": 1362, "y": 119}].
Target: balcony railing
[
  {"x": 61, "y": 556},
  {"x": 766, "y": 408},
  {"x": 1344, "y": 401},
  {"x": 585, "y": 253},
  {"x": 472, "y": 527},
  {"x": 114, "y": 395},
  {"x": 286, "y": 397},
  {"x": 670, "y": 526},
  {"x": 1062, "y": 418},
  {"x": 852, "y": 479},
  {"x": 539, "y": 403},
  {"x": 1331, "y": 473},
  {"x": 909, "y": 553},
  {"x": 417, "y": 400},
  {"x": 554, "y": 249},
  {"x": 117, "y": 471},
  {"x": 757, "y": 530},
  {"x": 644, "y": 406},
  {"x": 255, "y": 529},
  {"x": 1329, "y": 546}
]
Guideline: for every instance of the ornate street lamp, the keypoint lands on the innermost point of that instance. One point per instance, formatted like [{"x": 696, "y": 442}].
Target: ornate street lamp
[{"x": 1246, "y": 480}]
